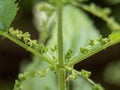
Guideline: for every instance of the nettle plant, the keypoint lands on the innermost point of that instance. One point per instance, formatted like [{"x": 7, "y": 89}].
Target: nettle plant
[{"x": 72, "y": 39}]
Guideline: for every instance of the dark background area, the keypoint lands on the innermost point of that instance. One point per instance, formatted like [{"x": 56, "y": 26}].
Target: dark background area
[{"x": 11, "y": 55}]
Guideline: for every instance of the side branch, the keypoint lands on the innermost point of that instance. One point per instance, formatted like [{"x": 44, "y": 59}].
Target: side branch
[{"x": 34, "y": 52}]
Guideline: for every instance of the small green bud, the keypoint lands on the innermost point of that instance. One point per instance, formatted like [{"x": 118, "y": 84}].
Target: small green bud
[
  {"x": 68, "y": 55},
  {"x": 103, "y": 40},
  {"x": 42, "y": 49},
  {"x": 45, "y": 50},
  {"x": 92, "y": 42},
  {"x": 16, "y": 33},
  {"x": 17, "y": 85},
  {"x": 12, "y": 31},
  {"x": 54, "y": 58},
  {"x": 54, "y": 48},
  {"x": 106, "y": 11},
  {"x": 22, "y": 77},
  {"x": 52, "y": 67},
  {"x": 26, "y": 37},
  {"x": 32, "y": 43},
  {"x": 19, "y": 34},
  {"x": 42, "y": 73},
  {"x": 71, "y": 77},
  {"x": 31, "y": 74},
  {"x": 85, "y": 74},
  {"x": 85, "y": 49},
  {"x": 93, "y": 7},
  {"x": 97, "y": 87}
]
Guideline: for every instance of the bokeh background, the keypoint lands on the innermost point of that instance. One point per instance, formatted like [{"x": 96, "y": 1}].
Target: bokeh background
[{"x": 105, "y": 65}]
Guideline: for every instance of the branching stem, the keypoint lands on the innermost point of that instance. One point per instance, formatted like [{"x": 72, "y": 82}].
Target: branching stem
[
  {"x": 34, "y": 52},
  {"x": 78, "y": 58},
  {"x": 61, "y": 70}
]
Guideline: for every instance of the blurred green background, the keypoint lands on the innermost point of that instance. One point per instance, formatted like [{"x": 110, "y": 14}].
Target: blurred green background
[{"x": 105, "y": 65}]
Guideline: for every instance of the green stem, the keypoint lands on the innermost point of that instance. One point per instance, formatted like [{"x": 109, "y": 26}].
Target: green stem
[
  {"x": 72, "y": 69},
  {"x": 34, "y": 52},
  {"x": 113, "y": 24},
  {"x": 61, "y": 79},
  {"x": 78, "y": 58},
  {"x": 61, "y": 70},
  {"x": 60, "y": 39}
]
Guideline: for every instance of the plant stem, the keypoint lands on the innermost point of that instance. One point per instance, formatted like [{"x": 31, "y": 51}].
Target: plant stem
[
  {"x": 78, "y": 58},
  {"x": 110, "y": 21},
  {"x": 61, "y": 79},
  {"x": 71, "y": 69},
  {"x": 34, "y": 52},
  {"x": 61, "y": 70},
  {"x": 59, "y": 34}
]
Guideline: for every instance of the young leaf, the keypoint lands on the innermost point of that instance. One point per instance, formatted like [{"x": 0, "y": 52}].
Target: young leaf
[{"x": 8, "y": 10}]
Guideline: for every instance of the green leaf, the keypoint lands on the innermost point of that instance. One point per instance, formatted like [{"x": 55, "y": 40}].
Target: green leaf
[
  {"x": 8, "y": 10},
  {"x": 46, "y": 83},
  {"x": 49, "y": 82},
  {"x": 81, "y": 84}
]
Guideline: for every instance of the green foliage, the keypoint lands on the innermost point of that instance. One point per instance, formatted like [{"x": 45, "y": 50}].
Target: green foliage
[
  {"x": 25, "y": 37},
  {"x": 8, "y": 10},
  {"x": 80, "y": 41},
  {"x": 90, "y": 49}
]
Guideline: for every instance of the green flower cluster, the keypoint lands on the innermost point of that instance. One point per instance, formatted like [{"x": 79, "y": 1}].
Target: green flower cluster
[
  {"x": 27, "y": 75},
  {"x": 41, "y": 48},
  {"x": 83, "y": 73},
  {"x": 68, "y": 55},
  {"x": 25, "y": 37},
  {"x": 93, "y": 44}
]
